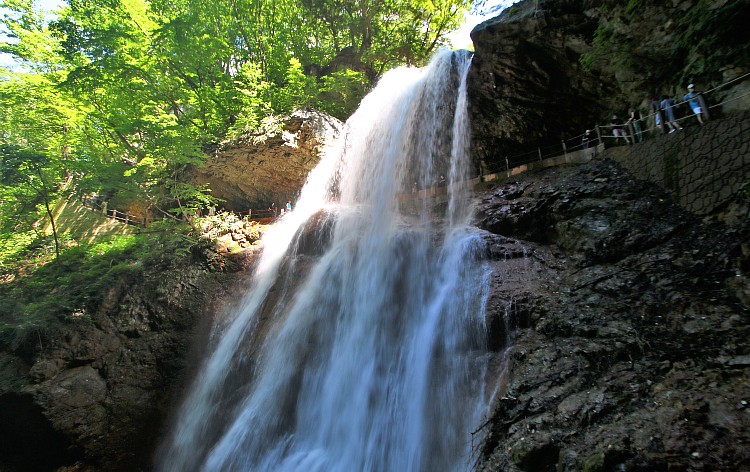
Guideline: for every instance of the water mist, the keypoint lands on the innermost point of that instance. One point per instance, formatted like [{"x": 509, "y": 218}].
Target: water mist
[{"x": 360, "y": 346}]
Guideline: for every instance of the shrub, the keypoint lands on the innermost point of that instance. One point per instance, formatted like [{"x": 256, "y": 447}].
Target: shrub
[{"x": 38, "y": 299}]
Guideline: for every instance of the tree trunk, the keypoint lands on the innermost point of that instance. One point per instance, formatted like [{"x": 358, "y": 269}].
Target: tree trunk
[
  {"x": 54, "y": 227},
  {"x": 45, "y": 196}
]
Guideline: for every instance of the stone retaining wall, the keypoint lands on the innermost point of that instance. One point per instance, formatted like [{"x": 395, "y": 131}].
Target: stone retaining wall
[{"x": 703, "y": 167}]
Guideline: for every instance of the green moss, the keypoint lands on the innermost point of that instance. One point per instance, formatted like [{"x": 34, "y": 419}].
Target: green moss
[
  {"x": 594, "y": 463},
  {"x": 13, "y": 245},
  {"x": 744, "y": 190},
  {"x": 632, "y": 6},
  {"x": 703, "y": 41},
  {"x": 34, "y": 301}
]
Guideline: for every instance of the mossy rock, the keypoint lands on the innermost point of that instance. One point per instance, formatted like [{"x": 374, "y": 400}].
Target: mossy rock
[{"x": 594, "y": 463}]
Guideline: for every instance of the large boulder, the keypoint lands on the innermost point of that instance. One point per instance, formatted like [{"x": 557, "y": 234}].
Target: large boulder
[{"x": 257, "y": 169}]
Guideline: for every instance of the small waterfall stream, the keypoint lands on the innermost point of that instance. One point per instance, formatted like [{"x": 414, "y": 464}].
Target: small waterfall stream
[{"x": 361, "y": 344}]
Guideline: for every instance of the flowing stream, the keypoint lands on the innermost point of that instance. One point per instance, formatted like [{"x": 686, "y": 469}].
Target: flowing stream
[{"x": 361, "y": 345}]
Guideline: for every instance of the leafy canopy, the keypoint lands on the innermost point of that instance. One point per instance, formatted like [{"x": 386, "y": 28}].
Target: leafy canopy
[{"x": 122, "y": 97}]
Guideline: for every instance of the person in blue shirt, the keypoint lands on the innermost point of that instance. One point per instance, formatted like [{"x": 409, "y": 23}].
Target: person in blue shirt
[{"x": 695, "y": 101}]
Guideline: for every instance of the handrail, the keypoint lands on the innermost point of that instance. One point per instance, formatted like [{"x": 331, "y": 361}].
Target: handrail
[{"x": 111, "y": 213}]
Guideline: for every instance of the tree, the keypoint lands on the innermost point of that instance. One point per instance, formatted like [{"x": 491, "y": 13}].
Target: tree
[
  {"x": 27, "y": 177},
  {"x": 148, "y": 116},
  {"x": 29, "y": 39},
  {"x": 373, "y": 36},
  {"x": 37, "y": 131},
  {"x": 151, "y": 84}
]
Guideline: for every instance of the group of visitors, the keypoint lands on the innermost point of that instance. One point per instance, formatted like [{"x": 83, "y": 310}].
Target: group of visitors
[
  {"x": 631, "y": 130},
  {"x": 664, "y": 110},
  {"x": 274, "y": 211},
  {"x": 633, "y": 122}
]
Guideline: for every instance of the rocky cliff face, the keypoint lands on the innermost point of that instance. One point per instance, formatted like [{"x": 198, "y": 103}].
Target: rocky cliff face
[
  {"x": 619, "y": 324},
  {"x": 256, "y": 170},
  {"x": 96, "y": 395},
  {"x": 622, "y": 317},
  {"x": 546, "y": 70},
  {"x": 526, "y": 85},
  {"x": 624, "y": 323}
]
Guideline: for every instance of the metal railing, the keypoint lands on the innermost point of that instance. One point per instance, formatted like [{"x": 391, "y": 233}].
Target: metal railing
[{"x": 599, "y": 134}]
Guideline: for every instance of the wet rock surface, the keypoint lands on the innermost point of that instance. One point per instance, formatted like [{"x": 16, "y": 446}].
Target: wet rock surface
[
  {"x": 618, "y": 324},
  {"x": 625, "y": 327}
]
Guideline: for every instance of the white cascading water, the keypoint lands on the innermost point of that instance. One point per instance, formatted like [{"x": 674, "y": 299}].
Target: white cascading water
[{"x": 361, "y": 344}]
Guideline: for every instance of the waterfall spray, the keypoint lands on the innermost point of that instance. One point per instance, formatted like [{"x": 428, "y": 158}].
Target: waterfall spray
[{"x": 361, "y": 344}]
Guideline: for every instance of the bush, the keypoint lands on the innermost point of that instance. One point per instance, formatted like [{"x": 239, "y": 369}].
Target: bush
[{"x": 72, "y": 286}]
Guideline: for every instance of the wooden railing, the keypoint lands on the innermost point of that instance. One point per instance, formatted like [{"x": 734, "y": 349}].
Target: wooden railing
[{"x": 113, "y": 213}]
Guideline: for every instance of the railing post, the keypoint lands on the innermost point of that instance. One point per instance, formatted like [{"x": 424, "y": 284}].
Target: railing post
[
  {"x": 507, "y": 167},
  {"x": 565, "y": 150},
  {"x": 540, "y": 153}
]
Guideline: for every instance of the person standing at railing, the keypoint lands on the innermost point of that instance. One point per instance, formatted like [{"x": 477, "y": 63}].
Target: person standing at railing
[
  {"x": 587, "y": 136},
  {"x": 588, "y": 144},
  {"x": 634, "y": 125},
  {"x": 658, "y": 114},
  {"x": 617, "y": 130},
  {"x": 696, "y": 102},
  {"x": 668, "y": 104}
]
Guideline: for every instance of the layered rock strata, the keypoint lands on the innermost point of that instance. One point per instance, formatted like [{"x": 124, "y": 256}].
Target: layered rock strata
[{"x": 256, "y": 170}]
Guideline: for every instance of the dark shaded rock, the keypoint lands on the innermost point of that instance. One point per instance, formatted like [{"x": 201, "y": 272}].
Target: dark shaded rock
[
  {"x": 526, "y": 86},
  {"x": 23, "y": 427},
  {"x": 586, "y": 214},
  {"x": 546, "y": 70},
  {"x": 623, "y": 329},
  {"x": 315, "y": 234},
  {"x": 98, "y": 392}
]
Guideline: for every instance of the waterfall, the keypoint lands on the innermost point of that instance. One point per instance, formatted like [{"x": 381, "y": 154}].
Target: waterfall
[{"x": 361, "y": 346}]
